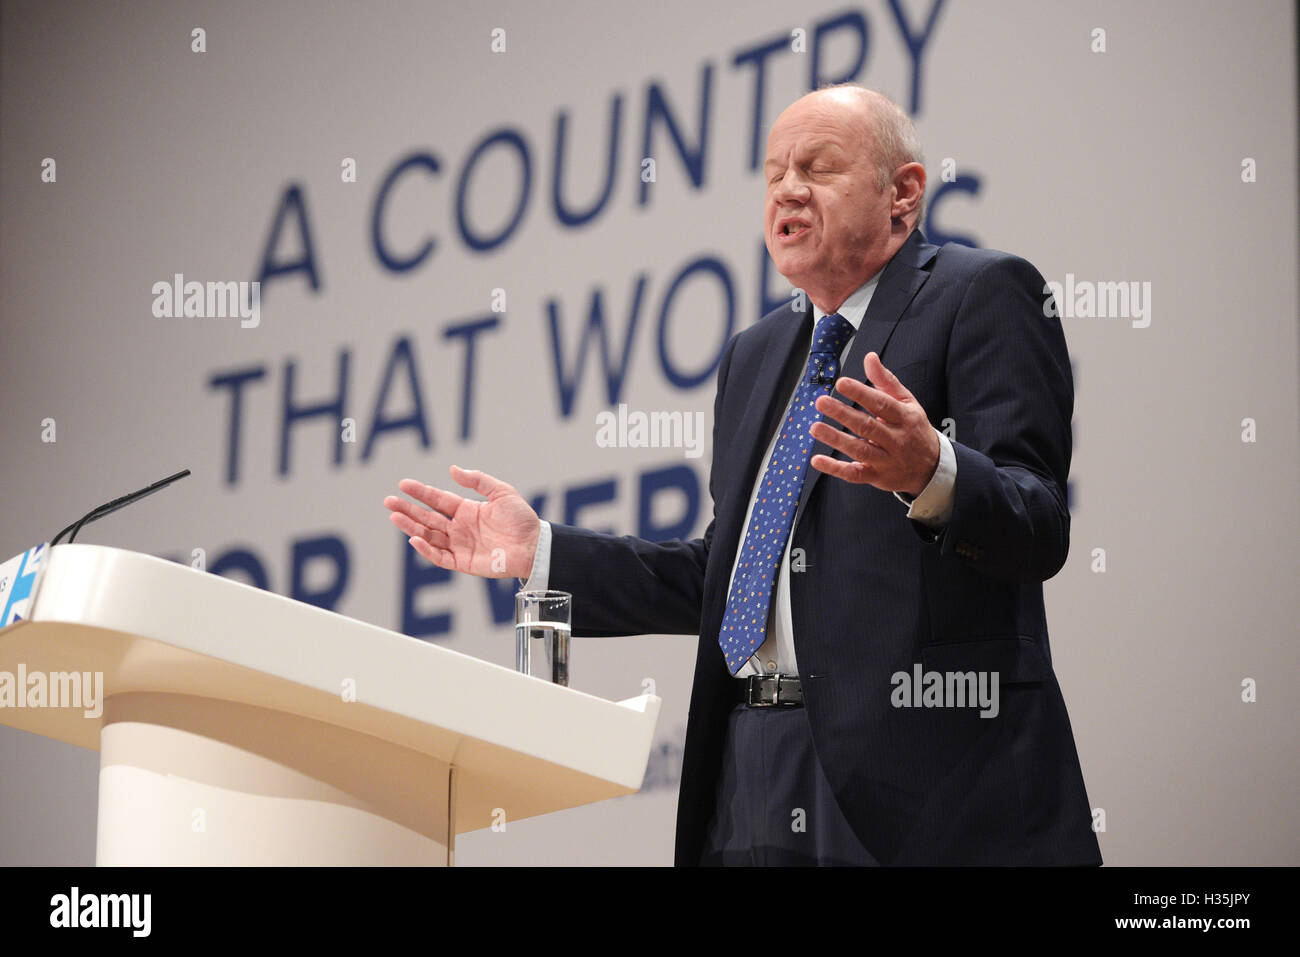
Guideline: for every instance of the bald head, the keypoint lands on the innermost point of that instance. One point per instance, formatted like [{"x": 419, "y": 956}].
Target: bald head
[{"x": 887, "y": 130}]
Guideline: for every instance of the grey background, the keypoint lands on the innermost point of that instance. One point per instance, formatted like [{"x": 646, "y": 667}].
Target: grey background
[{"x": 1123, "y": 165}]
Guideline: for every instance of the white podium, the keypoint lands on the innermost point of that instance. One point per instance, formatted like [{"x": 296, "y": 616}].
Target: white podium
[{"x": 241, "y": 727}]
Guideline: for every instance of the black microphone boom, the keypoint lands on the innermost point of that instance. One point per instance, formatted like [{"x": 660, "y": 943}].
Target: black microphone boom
[{"x": 113, "y": 506}]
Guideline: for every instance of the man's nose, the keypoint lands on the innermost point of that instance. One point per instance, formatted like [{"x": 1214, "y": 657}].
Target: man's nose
[{"x": 790, "y": 187}]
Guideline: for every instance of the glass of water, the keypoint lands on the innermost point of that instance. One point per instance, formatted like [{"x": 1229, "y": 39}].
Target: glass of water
[{"x": 542, "y": 628}]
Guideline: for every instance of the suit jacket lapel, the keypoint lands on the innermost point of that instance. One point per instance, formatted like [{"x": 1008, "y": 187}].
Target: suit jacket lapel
[{"x": 901, "y": 280}]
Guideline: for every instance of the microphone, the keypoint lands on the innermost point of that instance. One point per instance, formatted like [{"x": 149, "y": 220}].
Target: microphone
[
  {"x": 822, "y": 371},
  {"x": 108, "y": 508}
]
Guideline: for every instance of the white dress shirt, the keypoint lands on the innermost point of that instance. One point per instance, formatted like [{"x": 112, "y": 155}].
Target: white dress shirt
[{"x": 933, "y": 507}]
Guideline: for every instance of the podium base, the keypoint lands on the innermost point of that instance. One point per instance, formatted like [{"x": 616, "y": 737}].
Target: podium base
[{"x": 187, "y": 780}]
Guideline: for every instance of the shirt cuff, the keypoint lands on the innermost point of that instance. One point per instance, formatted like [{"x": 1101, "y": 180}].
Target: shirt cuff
[
  {"x": 933, "y": 507},
  {"x": 539, "y": 578}
]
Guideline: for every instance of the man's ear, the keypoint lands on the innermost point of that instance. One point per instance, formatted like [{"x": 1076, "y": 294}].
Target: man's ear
[{"x": 909, "y": 188}]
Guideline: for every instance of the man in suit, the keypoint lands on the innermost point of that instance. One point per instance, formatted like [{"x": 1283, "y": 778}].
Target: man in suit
[{"x": 873, "y": 683}]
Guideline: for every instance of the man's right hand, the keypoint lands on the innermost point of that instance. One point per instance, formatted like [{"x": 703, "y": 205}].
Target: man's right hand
[{"x": 494, "y": 539}]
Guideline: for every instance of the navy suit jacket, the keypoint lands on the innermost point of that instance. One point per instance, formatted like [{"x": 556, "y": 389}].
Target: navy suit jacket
[{"x": 965, "y": 331}]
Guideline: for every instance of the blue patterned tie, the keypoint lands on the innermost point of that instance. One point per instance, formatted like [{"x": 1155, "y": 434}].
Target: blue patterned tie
[{"x": 744, "y": 626}]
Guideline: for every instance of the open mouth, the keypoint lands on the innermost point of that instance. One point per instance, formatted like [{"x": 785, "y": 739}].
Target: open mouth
[{"x": 792, "y": 230}]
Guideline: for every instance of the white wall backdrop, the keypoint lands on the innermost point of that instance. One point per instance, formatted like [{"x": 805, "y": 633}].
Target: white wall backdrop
[{"x": 1160, "y": 151}]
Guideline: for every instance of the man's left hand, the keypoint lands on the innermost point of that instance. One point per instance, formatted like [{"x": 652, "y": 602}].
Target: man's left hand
[{"x": 892, "y": 444}]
